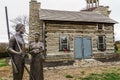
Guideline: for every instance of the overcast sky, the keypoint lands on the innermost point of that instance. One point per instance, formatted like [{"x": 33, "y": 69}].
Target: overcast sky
[{"x": 21, "y": 7}]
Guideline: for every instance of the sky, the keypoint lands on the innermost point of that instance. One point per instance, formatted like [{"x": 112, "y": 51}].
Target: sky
[{"x": 21, "y": 7}]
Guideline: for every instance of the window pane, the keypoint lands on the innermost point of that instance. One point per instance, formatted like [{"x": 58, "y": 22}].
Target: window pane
[
  {"x": 101, "y": 43},
  {"x": 64, "y": 40},
  {"x": 64, "y": 43},
  {"x": 101, "y": 39},
  {"x": 100, "y": 26},
  {"x": 101, "y": 46}
]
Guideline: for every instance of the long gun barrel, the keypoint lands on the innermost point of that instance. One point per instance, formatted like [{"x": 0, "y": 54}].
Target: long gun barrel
[{"x": 8, "y": 31}]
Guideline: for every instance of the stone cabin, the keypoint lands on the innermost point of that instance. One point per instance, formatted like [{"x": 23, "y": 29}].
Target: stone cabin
[{"x": 73, "y": 34}]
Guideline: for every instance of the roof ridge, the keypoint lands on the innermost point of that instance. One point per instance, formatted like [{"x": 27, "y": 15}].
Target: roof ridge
[
  {"x": 60, "y": 10},
  {"x": 72, "y": 11}
]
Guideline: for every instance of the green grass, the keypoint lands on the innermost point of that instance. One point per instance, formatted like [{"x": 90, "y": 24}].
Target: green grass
[
  {"x": 2, "y": 62},
  {"x": 103, "y": 76},
  {"x": 83, "y": 72},
  {"x": 69, "y": 76},
  {"x": 118, "y": 51},
  {"x": 1, "y": 79},
  {"x": 112, "y": 73}
]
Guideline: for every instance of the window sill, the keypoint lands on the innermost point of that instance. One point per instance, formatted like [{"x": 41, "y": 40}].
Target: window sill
[{"x": 100, "y": 30}]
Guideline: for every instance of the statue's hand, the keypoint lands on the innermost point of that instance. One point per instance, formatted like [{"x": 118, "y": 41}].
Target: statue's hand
[
  {"x": 35, "y": 51},
  {"x": 31, "y": 52},
  {"x": 24, "y": 55},
  {"x": 14, "y": 52},
  {"x": 19, "y": 53}
]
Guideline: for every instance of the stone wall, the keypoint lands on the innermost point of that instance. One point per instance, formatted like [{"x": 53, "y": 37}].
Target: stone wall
[
  {"x": 103, "y": 10},
  {"x": 34, "y": 21}
]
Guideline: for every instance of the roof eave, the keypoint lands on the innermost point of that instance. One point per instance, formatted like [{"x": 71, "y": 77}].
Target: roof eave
[{"x": 115, "y": 22}]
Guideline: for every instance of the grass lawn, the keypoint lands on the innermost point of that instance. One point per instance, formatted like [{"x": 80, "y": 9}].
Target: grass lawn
[
  {"x": 2, "y": 63},
  {"x": 87, "y": 73},
  {"x": 111, "y": 73},
  {"x": 103, "y": 76}
]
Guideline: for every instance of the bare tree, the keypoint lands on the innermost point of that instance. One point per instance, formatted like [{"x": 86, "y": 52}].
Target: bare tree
[{"x": 20, "y": 19}]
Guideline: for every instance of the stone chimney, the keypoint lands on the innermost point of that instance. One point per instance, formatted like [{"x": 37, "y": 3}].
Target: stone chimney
[
  {"x": 103, "y": 10},
  {"x": 34, "y": 20},
  {"x": 93, "y": 5}
]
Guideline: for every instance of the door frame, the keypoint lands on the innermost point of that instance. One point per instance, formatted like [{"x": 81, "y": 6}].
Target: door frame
[{"x": 83, "y": 57}]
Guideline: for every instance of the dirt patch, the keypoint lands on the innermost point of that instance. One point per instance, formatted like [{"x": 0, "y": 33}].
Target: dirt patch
[{"x": 58, "y": 74}]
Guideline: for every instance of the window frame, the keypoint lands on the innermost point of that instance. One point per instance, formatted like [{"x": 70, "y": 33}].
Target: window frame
[
  {"x": 63, "y": 44},
  {"x": 103, "y": 48},
  {"x": 100, "y": 27}
]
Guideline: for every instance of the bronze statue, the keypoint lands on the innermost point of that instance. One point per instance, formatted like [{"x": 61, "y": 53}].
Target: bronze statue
[
  {"x": 16, "y": 49},
  {"x": 36, "y": 51}
]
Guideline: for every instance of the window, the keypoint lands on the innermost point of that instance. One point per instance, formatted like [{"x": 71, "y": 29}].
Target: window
[
  {"x": 101, "y": 43},
  {"x": 100, "y": 26},
  {"x": 64, "y": 44}
]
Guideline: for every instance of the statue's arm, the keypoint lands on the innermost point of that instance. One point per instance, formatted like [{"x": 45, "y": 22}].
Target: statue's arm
[
  {"x": 31, "y": 51},
  {"x": 11, "y": 46}
]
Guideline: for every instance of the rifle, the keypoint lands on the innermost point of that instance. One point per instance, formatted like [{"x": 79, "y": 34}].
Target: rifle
[{"x": 14, "y": 65}]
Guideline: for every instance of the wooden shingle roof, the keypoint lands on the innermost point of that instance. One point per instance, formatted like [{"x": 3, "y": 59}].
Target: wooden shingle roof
[{"x": 81, "y": 16}]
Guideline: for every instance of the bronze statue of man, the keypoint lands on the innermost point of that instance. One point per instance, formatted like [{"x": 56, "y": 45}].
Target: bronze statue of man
[
  {"x": 16, "y": 49},
  {"x": 36, "y": 65}
]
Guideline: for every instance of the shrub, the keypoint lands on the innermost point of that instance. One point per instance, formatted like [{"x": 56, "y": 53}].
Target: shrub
[{"x": 3, "y": 50}]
